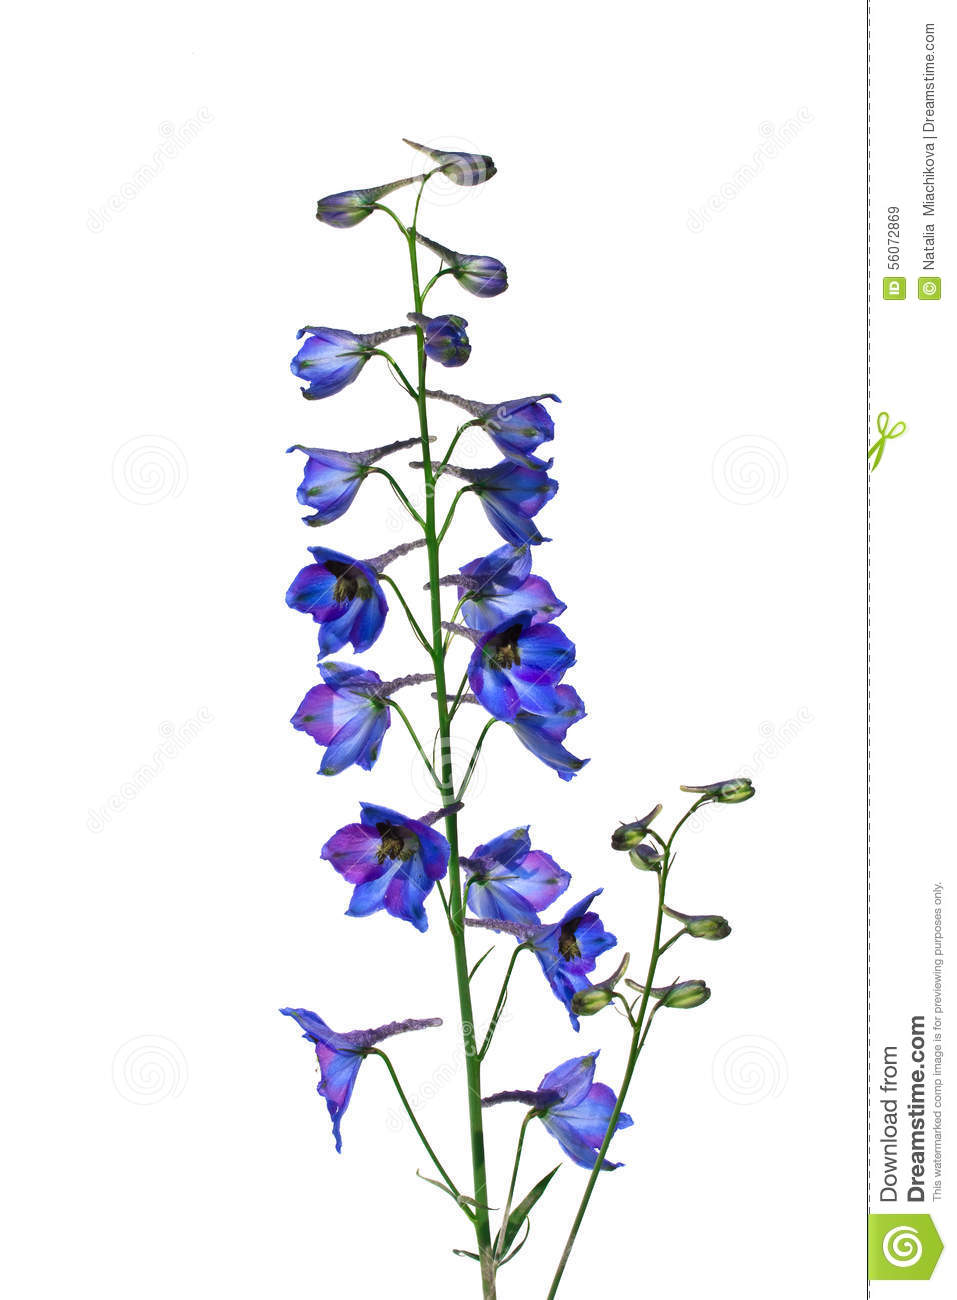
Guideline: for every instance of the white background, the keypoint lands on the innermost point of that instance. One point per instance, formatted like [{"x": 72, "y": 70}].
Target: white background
[{"x": 165, "y": 1132}]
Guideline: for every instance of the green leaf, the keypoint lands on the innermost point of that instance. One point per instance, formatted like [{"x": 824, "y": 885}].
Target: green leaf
[
  {"x": 521, "y": 1212},
  {"x": 466, "y": 1254},
  {"x": 479, "y": 962},
  {"x": 512, "y": 1254}
]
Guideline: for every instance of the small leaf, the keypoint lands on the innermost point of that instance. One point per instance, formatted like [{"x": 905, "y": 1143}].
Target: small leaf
[
  {"x": 466, "y": 1254},
  {"x": 479, "y": 962},
  {"x": 512, "y": 1254},
  {"x": 521, "y": 1212}
]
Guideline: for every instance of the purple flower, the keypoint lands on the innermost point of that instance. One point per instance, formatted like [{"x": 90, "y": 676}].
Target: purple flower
[
  {"x": 340, "y": 1056},
  {"x": 392, "y": 860},
  {"x": 516, "y": 667},
  {"x": 501, "y": 586},
  {"x": 509, "y": 880},
  {"x": 511, "y": 495},
  {"x": 332, "y": 478},
  {"x": 517, "y": 427},
  {"x": 347, "y": 714},
  {"x": 445, "y": 338},
  {"x": 574, "y": 1109},
  {"x": 543, "y": 734},
  {"x": 331, "y": 359},
  {"x": 568, "y": 949},
  {"x": 484, "y": 276},
  {"x": 460, "y": 168},
  {"x": 352, "y": 206},
  {"x": 343, "y": 596}
]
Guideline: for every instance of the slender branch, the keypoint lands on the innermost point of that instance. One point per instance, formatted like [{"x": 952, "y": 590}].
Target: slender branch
[
  {"x": 500, "y": 1004},
  {"x": 418, "y": 744},
  {"x": 452, "y": 445},
  {"x": 397, "y": 370},
  {"x": 474, "y": 759},
  {"x": 375, "y": 1051},
  {"x": 532, "y": 1114},
  {"x": 413, "y": 621},
  {"x": 396, "y": 488},
  {"x": 455, "y": 500}
]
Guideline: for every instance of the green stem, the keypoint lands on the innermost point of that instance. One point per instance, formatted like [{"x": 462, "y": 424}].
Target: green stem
[
  {"x": 474, "y": 759},
  {"x": 396, "y": 369},
  {"x": 452, "y": 445},
  {"x": 455, "y": 500},
  {"x": 397, "y": 489},
  {"x": 500, "y": 1004},
  {"x": 532, "y": 1114},
  {"x": 418, "y": 744},
  {"x": 375, "y": 1051},
  {"x": 413, "y": 621},
  {"x": 637, "y": 1042},
  {"x": 483, "y": 1236}
]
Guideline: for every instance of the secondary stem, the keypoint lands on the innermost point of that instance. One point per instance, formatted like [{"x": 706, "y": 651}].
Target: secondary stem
[{"x": 456, "y": 901}]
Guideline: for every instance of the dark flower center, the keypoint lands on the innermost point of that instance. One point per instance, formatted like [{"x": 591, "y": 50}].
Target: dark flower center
[
  {"x": 393, "y": 844},
  {"x": 350, "y": 582},
  {"x": 567, "y": 942},
  {"x": 504, "y": 652}
]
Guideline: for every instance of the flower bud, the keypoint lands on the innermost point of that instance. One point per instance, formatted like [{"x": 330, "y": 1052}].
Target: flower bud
[
  {"x": 646, "y": 857},
  {"x": 737, "y": 790},
  {"x": 687, "y": 994},
  {"x": 702, "y": 927},
  {"x": 630, "y": 836},
  {"x": 445, "y": 338},
  {"x": 460, "y": 168},
  {"x": 352, "y": 206},
  {"x": 588, "y": 1002}
]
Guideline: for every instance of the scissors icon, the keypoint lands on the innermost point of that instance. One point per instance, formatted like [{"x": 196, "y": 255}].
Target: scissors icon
[{"x": 883, "y": 423}]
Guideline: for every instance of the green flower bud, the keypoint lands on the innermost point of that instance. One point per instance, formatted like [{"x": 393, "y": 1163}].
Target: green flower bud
[
  {"x": 687, "y": 994},
  {"x": 646, "y": 857},
  {"x": 629, "y": 836},
  {"x": 588, "y": 1002},
  {"x": 702, "y": 927},
  {"x": 737, "y": 790}
]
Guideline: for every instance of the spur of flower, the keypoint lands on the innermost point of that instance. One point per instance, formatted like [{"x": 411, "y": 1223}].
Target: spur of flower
[
  {"x": 501, "y": 586},
  {"x": 506, "y": 879},
  {"x": 574, "y": 1109},
  {"x": 392, "y": 860},
  {"x": 341, "y": 1054},
  {"x": 517, "y": 666}
]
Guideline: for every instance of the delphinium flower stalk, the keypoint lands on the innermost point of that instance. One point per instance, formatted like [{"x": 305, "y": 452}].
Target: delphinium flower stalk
[{"x": 503, "y": 625}]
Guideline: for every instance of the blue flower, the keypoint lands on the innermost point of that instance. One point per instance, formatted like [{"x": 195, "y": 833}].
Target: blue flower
[
  {"x": 332, "y": 359},
  {"x": 511, "y": 495},
  {"x": 579, "y": 1122},
  {"x": 568, "y": 949},
  {"x": 517, "y": 427},
  {"x": 392, "y": 860},
  {"x": 543, "y": 734},
  {"x": 502, "y": 585},
  {"x": 460, "y": 168},
  {"x": 484, "y": 276},
  {"x": 445, "y": 338},
  {"x": 347, "y": 715},
  {"x": 352, "y": 206},
  {"x": 340, "y": 1056},
  {"x": 332, "y": 478},
  {"x": 509, "y": 880},
  {"x": 516, "y": 667},
  {"x": 343, "y": 596}
]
